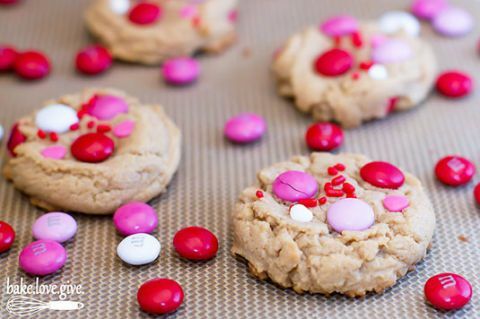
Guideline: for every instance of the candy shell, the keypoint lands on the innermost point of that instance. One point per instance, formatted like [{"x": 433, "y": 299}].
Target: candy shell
[
  {"x": 42, "y": 257},
  {"x": 300, "y": 213},
  {"x": 333, "y": 62},
  {"x": 92, "y": 148},
  {"x": 391, "y": 51},
  {"x": 448, "y": 291},
  {"x": 8, "y": 55},
  {"x": 395, "y": 203},
  {"x": 120, "y": 7},
  {"x": 7, "y": 236},
  {"x": 16, "y": 138},
  {"x": 454, "y": 170},
  {"x": 106, "y": 107},
  {"x": 453, "y": 22},
  {"x": 454, "y": 84},
  {"x": 139, "y": 249},
  {"x": 293, "y": 186},
  {"x": 56, "y": 226},
  {"x": 382, "y": 174},
  {"x": 396, "y": 21},
  {"x": 93, "y": 60},
  {"x": 245, "y": 128},
  {"x": 339, "y": 26},
  {"x": 195, "y": 243},
  {"x": 180, "y": 71},
  {"x": 32, "y": 65},
  {"x": 124, "y": 129},
  {"x": 427, "y": 9},
  {"x": 378, "y": 72},
  {"x": 135, "y": 217},
  {"x": 324, "y": 136},
  {"x": 56, "y": 118},
  {"x": 54, "y": 152},
  {"x": 350, "y": 214},
  {"x": 145, "y": 13},
  {"x": 160, "y": 296}
]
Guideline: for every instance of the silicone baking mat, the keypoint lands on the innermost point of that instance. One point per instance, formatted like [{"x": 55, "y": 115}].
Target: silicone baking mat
[{"x": 213, "y": 171}]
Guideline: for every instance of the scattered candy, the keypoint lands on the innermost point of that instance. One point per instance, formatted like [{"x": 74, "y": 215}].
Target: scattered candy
[
  {"x": 454, "y": 84},
  {"x": 32, "y": 65},
  {"x": 134, "y": 218},
  {"x": 427, "y": 9},
  {"x": 7, "y": 236},
  {"x": 55, "y": 226},
  {"x": 324, "y": 136},
  {"x": 453, "y": 22},
  {"x": 120, "y": 7},
  {"x": 180, "y": 71},
  {"x": 139, "y": 249},
  {"x": 42, "y": 257},
  {"x": 334, "y": 62},
  {"x": 301, "y": 213},
  {"x": 350, "y": 214},
  {"x": 378, "y": 72},
  {"x": 339, "y": 26},
  {"x": 93, "y": 60},
  {"x": 454, "y": 170},
  {"x": 106, "y": 107},
  {"x": 476, "y": 193},
  {"x": 56, "y": 118},
  {"x": 448, "y": 291},
  {"x": 55, "y": 152},
  {"x": 195, "y": 243},
  {"x": 16, "y": 138},
  {"x": 395, "y": 21},
  {"x": 145, "y": 13},
  {"x": 7, "y": 58},
  {"x": 293, "y": 186},
  {"x": 245, "y": 128},
  {"x": 160, "y": 296},
  {"x": 395, "y": 203},
  {"x": 391, "y": 51},
  {"x": 92, "y": 148},
  {"x": 124, "y": 129},
  {"x": 382, "y": 174}
]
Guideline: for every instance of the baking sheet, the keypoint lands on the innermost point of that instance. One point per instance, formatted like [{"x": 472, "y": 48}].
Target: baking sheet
[{"x": 212, "y": 171}]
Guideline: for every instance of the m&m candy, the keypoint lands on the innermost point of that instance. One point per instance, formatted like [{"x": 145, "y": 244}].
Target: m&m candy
[
  {"x": 195, "y": 243},
  {"x": 160, "y": 296},
  {"x": 7, "y": 236},
  {"x": 448, "y": 291}
]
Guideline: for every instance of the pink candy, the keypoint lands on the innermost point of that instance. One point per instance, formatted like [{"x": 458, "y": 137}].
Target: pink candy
[
  {"x": 340, "y": 26},
  {"x": 56, "y": 226},
  {"x": 180, "y": 71},
  {"x": 245, "y": 128},
  {"x": 350, "y": 214},
  {"x": 134, "y": 218},
  {"x": 42, "y": 257},
  {"x": 124, "y": 129},
  {"x": 391, "y": 51},
  {"x": 453, "y": 22},
  {"x": 293, "y": 186},
  {"x": 427, "y": 9},
  {"x": 106, "y": 107},
  {"x": 395, "y": 203},
  {"x": 54, "y": 152}
]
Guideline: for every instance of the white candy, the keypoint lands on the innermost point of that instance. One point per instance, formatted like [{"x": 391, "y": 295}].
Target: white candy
[
  {"x": 394, "y": 21},
  {"x": 56, "y": 118},
  {"x": 1, "y": 132},
  {"x": 139, "y": 249},
  {"x": 378, "y": 72},
  {"x": 119, "y": 6},
  {"x": 300, "y": 213}
]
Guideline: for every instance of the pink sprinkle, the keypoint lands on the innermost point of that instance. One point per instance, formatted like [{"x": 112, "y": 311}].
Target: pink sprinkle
[
  {"x": 376, "y": 40},
  {"x": 54, "y": 152},
  {"x": 188, "y": 12},
  {"x": 233, "y": 16},
  {"x": 395, "y": 203},
  {"x": 124, "y": 129}
]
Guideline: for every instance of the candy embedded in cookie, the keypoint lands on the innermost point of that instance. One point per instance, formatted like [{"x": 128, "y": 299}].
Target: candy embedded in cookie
[
  {"x": 92, "y": 152},
  {"x": 152, "y": 31},
  {"x": 333, "y": 223},
  {"x": 349, "y": 71}
]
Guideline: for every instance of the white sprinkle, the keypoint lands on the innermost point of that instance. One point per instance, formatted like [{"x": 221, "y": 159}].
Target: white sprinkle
[
  {"x": 394, "y": 21},
  {"x": 119, "y": 6},
  {"x": 378, "y": 72},
  {"x": 301, "y": 213}
]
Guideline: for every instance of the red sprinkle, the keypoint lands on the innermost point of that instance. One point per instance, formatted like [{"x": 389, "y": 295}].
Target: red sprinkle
[
  {"x": 357, "y": 40},
  {"x": 340, "y": 179},
  {"x": 53, "y": 137},
  {"x": 327, "y": 186},
  {"x": 74, "y": 127},
  {"x": 41, "y": 134},
  {"x": 366, "y": 65},
  {"x": 351, "y": 195},
  {"x": 337, "y": 41},
  {"x": 81, "y": 113},
  {"x": 392, "y": 103},
  {"x": 454, "y": 84},
  {"x": 309, "y": 202},
  {"x": 322, "y": 200},
  {"x": 259, "y": 194},
  {"x": 355, "y": 75},
  {"x": 340, "y": 167},
  {"x": 332, "y": 171},
  {"x": 333, "y": 62},
  {"x": 91, "y": 124},
  {"x": 103, "y": 128},
  {"x": 334, "y": 192},
  {"x": 348, "y": 188}
]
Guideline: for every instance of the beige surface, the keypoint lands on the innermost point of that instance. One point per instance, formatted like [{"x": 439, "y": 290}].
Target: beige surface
[{"x": 213, "y": 172}]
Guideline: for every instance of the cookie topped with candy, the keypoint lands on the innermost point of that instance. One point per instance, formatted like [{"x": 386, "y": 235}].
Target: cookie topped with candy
[
  {"x": 151, "y": 31},
  {"x": 349, "y": 71},
  {"x": 333, "y": 223},
  {"x": 93, "y": 151}
]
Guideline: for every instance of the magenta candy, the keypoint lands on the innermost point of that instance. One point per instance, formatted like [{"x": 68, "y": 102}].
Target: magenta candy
[
  {"x": 245, "y": 128},
  {"x": 453, "y": 22},
  {"x": 395, "y": 203},
  {"x": 293, "y": 186},
  {"x": 42, "y": 257},
  {"x": 350, "y": 214},
  {"x": 124, "y": 129},
  {"x": 56, "y": 226},
  {"x": 54, "y": 152},
  {"x": 106, "y": 107},
  {"x": 180, "y": 71},
  {"x": 427, "y": 9},
  {"x": 382, "y": 174},
  {"x": 391, "y": 51},
  {"x": 134, "y": 218},
  {"x": 339, "y": 26}
]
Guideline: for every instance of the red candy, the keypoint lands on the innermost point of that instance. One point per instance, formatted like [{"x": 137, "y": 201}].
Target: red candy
[
  {"x": 448, "y": 291},
  {"x": 92, "y": 148},
  {"x": 93, "y": 60},
  {"x": 454, "y": 84},
  {"x": 476, "y": 193},
  {"x": 382, "y": 174},
  {"x": 32, "y": 65},
  {"x": 454, "y": 170},
  {"x": 160, "y": 296},
  {"x": 145, "y": 13},
  {"x": 334, "y": 62},
  {"x": 7, "y": 236},
  {"x": 7, "y": 58},
  {"x": 324, "y": 136},
  {"x": 195, "y": 243},
  {"x": 16, "y": 138},
  {"x": 8, "y": 2}
]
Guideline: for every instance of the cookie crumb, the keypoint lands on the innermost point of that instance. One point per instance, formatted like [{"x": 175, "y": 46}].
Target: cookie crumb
[{"x": 463, "y": 238}]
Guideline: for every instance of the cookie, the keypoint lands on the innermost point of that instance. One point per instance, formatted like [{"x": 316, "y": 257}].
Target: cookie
[
  {"x": 350, "y": 72},
  {"x": 333, "y": 224},
  {"x": 150, "y": 32},
  {"x": 93, "y": 151}
]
